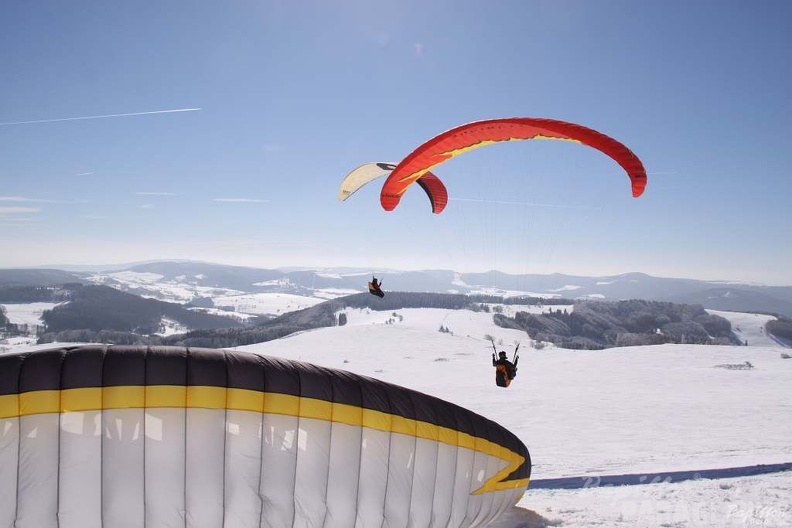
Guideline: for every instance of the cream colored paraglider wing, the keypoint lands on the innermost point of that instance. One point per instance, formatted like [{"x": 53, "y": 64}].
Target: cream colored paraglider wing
[{"x": 431, "y": 184}]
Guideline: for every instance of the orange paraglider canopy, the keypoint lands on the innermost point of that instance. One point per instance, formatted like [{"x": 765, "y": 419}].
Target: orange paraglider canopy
[{"x": 480, "y": 133}]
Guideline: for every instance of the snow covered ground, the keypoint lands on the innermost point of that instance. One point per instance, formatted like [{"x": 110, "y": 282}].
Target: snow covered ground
[
  {"x": 587, "y": 415},
  {"x": 184, "y": 289},
  {"x": 639, "y": 410},
  {"x": 266, "y": 303},
  {"x": 241, "y": 317},
  {"x": 152, "y": 285},
  {"x": 170, "y": 327},
  {"x": 27, "y": 313},
  {"x": 15, "y": 344},
  {"x": 749, "y": 327}
]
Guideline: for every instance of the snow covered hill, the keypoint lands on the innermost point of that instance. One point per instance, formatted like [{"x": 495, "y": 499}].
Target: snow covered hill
[
  {"x": 750, "y": 327},
  {"x": 586, "y": 414},
  {"x": 643, "y": 410}
]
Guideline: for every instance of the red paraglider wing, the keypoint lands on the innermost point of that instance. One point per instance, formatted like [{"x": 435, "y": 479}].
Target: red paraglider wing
[
  {"x": 480, "y": 133},
  {"x": 435, "y": 190}
]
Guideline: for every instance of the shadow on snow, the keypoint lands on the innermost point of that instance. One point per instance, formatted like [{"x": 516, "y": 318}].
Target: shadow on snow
[{"x": 653, "y": 478}]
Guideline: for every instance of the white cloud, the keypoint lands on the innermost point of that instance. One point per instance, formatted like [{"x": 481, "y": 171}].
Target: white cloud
[
  {"x": 84, "y": 174},
  {"x": 23, "y": 199},
  {"x": 155, "y": 194},
  {"x": 240, "y": 200},
  {"x": 18, "y": 225},
  {"x": 19, "y": 219},
  {"x": 419, "y": 48},
  {"x": 18, "y": 210}
]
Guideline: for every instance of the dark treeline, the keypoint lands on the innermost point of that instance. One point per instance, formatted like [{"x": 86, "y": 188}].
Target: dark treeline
[
  {"x": 318, "y": 316},
  {"x": 31, "y": 294},
  {"x": 98, "y": 308},
  {"x": 399, "y": 300},
  {"x": 101, "y": 336},
  {"x": 590, "y": 324},
  {"x": 324, "y": 315},
  {"x": 494, "y": 299},
  {"x": 599, "y": 324},
  {"x": 780, "y": 328}
]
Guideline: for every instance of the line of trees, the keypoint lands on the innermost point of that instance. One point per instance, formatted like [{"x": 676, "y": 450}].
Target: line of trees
[
  {"x": 600, "y": 324},
  {"x": 780, "y": 328},
  {"x": 107, "y": 315},
  {"x": 31, "y": 294}
]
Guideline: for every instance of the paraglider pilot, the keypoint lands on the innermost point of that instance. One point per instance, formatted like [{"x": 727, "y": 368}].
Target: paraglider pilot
[
  {"x": 375, "y": 288},
  {"x": 505, "y": 370}
]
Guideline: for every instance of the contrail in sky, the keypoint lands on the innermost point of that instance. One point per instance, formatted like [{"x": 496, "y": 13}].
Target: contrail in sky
[{"x": 100, "y": 116}]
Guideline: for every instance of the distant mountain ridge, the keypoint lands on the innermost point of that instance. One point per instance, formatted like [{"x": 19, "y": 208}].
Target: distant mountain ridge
[
  {"x": 312, "y": 282},
  {"x": 38, "y": 277}
]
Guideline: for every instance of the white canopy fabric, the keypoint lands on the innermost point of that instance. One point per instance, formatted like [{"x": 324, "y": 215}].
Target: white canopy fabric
[{"x": 95, "y": 436}]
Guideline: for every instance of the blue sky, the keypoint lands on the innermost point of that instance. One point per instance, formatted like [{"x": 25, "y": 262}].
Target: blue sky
[{"x": 294, "y": 95}]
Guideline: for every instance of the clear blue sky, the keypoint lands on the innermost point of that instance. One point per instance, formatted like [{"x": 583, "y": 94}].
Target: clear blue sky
[{"x": 295, "y": 94}]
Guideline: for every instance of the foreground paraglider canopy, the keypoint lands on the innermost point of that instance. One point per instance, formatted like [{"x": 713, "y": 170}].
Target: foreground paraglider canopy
[
  {"x": 95, "y": 436},
  {"x": 480, "y": 133}
]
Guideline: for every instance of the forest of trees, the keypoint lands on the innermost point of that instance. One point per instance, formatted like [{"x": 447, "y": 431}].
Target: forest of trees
[
  {"x": 102, "y": 314},
  {"x": 31, "y": 294},
  {"x": 600, "y": 324},
  {"x": 780, "y": 328},
  {"x": 126, "y": 326},
  {"x": 101, "y": 308}
]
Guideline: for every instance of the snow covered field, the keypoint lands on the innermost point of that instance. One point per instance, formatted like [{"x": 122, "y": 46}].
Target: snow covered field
[
  {"x": 266, "y": 303},
  {"x": 27, "y": 313},
  {"x": 640, "y": 410},
  {"x": 644, "y": 411},
  {"x": 182, "y": 290},
  {"x": 749, "y": 327},
  {"x": 152, "y": 285}
]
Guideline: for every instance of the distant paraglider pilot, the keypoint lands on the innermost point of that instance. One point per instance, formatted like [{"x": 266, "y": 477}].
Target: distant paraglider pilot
[
  {"x": 505, "y": 370},
  {"x": 375, "y": 288}
]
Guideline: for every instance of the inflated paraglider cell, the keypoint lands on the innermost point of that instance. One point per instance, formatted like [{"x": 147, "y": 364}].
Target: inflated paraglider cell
[{"x": 117, "y": 436}]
